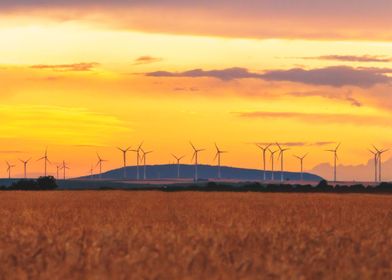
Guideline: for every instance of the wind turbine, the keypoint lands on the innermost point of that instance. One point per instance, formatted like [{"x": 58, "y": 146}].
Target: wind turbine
[
  {"x": 375, "y": 154},
  {"x": 124, "y": 151},
  {"x": 64, "y": 167},
  {"x": 46, "y": 160},
  {"x": 281, "y": 154},
  {"x": 196, "y": 157},
  {"x": 100, "y": 161},
  {"x": 335, "y": 154},
  {"x": 144, "y": 162},
  {"x": 25, "y": 162},
  {"x": 58, "y": 167},
  {"x": 264, "y": 150},
  {"x": 178, "y": 159},
  {"x": 9, "y": 167},
  {"x": 272, "y": 163},
  {"x": 301, "y": 159},
  {"x": 91, "y": 172},
  {"x": 379, "y": 154},
  {"x": 137, "y": 151},
  {"x": 218, "y": 155}
]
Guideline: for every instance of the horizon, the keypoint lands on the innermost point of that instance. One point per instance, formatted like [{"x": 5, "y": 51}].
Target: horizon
[{"x": 81, "y": 78}]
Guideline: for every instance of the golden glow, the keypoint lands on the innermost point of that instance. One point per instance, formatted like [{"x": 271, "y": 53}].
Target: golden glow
[{"x": 78, "y": 113}]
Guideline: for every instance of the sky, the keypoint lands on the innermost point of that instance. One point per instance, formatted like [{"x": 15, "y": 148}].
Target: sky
[{"x": 81, "y": 78}]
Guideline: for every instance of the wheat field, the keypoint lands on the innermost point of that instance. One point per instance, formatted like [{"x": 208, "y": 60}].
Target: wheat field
[{"x": 194, "y": 235}]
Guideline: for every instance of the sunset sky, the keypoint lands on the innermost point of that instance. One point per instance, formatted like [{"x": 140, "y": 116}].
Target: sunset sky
[{"x": 85, "y": 78}]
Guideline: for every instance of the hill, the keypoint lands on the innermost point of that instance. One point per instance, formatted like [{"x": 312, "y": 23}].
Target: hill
[{"x": 169, "y": 171}]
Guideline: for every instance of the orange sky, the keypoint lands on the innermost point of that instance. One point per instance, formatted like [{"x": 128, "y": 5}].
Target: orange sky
[{"x": 85, "y": 79}]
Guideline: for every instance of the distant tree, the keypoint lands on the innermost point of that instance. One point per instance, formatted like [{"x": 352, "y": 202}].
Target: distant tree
[
  {"x": 47, "y": 183},
  {"x": 42, "y": 183}
]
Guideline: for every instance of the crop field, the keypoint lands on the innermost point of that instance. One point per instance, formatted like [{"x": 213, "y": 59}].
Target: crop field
[{"x": 194, "y": 235}]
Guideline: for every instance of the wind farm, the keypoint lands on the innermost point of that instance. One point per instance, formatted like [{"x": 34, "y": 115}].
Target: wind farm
[
  {"x": 173, "y": 139},
  {"x": 195, "y": 170}
]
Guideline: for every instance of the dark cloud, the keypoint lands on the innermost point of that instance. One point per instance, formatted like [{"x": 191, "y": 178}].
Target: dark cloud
[
  {"x": 146, "y": 60},
  {"x": 224, "y": 74},
  {"x": 76, "y": 67},
  {"x": 352, "y": 58},
  {"x": 335, "y": 76}
]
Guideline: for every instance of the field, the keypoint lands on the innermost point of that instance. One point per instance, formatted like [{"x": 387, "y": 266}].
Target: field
[{"x": 188, "y": 235}]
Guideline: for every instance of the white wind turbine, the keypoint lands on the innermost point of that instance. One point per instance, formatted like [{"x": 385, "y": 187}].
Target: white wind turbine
[
  {"x": 264, "y": 151},
  {"x": 99, "y": 163},
  {"x": 379, "y": 155},
  {"x": 9, "y": 167},
  {"x": 281, "y": 154},
  {"x": 272, "y": 163},
  {"x": 218, "y": 156},
  {"x": 335, "y": 154},
  {"x": 301, "y": 160},
  {"x": 64, "y": 167},
  {"x": 138, "y": 157},
  {"x": 46, "y": 160},
  {"x": 144, "y": 157},
  {"x": 124, "y": 152},
  {"x": 196, "y": 157},
  {"x": 25, "y": 162},
  {"x": 178, "y": 159},
  {"x": 375, "y": 154}
]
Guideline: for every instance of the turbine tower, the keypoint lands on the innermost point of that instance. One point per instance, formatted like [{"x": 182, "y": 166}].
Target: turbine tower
[
  {"x": 218, "y": 156},
  {"x": 64, "y": 167},
  {"x": 301, "y": 160},
  {"x": 100, "y": 161},
  {"x": 272, "y": 163},
  {"x": 196, "y": 157},
  {"x": 281, "y": 154},
  {"x": 9, "y": 167},
  {"x": 335, "y": 156},
  {"x": 264, "y": 150},
  {"x": 124, "y": 151},
  {"x": 379, "y": 155},
  {"x": 46, "y": 160},
  {"x": 137, "y": 151},
  {"x": 58, "y": 167},
  {"x": 375, "y": 154},
  {"x": 144, "y": 157},
  {"x": 178, "y": 159},
  {"x": 91, "y": 172},
  {"x": 25, "y": 162}
]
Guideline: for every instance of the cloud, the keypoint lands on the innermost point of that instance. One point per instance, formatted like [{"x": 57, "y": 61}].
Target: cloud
[
  {"x": 298, "y": 144},
  {"x": 319, "y": 118},
  {"x": 346, "y": 96},
  {"x": 360, "y": 172},
  {"x": 76, "y": 67},
  {"x": 10, "y": 152},
  {"x": 334, "y": 76},
  {"x": 347, "y": 19},
  {"x": 146, "y": 60},
  {"x": 224, "y": 74},
  {"x": 352, "y": 58}
]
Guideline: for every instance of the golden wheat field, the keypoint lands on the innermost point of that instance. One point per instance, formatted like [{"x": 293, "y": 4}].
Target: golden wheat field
[{"x": 193, "y": 235}]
